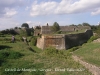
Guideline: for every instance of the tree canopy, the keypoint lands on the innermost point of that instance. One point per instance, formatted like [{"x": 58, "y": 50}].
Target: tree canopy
[
  {"x": 85, "y": 24},
  {"x": 55, "y": 27},
  {"x": 25, "y": 25}
]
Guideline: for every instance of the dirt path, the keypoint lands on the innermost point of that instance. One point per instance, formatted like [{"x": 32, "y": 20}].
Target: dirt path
[
  {"x": 97, "y": 40},
  {"x": 92, "y": 68}
]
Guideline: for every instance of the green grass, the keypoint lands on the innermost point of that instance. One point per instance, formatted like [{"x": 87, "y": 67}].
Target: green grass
[
  {"x": 90, "y": 52},
  {"x": 20, "y": 56},
  {"x": 75, "y": 32}
]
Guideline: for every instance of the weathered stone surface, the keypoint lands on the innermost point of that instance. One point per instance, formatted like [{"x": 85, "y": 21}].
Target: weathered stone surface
[
  {"x": 63, "y": 41},
  {"x": 47, "y": 29}
]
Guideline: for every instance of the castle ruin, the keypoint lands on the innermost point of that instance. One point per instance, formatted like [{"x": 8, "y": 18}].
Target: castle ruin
[{"x": 63, "y": 41}]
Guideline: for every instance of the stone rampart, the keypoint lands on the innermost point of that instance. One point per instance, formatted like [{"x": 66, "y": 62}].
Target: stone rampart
[
  {"x": 72, "y": 40},
  {"x": 63, "y": 41}
]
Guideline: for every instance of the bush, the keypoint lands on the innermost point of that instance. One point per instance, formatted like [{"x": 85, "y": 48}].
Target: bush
[
  {"x": 34, "y": 41},
  {"x": 50, "y": 50},
  {"x": 10, "y": 55},
  {"x": 55, "y": 52},
  {"x": 14, "y": 55},
  {"x": 4, "y": 55},
  {"x": 1, "y": 61},
  {"x": 59, "y": 32}
]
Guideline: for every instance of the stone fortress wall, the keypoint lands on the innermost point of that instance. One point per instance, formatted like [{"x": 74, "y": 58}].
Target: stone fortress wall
[
  {"x": 47, "y": 29},
  {"x": 62, "y": 41}
]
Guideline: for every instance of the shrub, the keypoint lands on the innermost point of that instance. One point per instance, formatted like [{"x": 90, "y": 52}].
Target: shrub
[
  {"x": 4, "y": 54},
  {"x": 34, "y": 41},
  {"x": 59, "y": 32},
  {"x": 51, "y": 50},
  {"x": 10, "y": 54},
  {"x": 15, "y": 55},
  {"x": 23, "y": 33},
  {"x": 55, "y": 52},
  {"x": 1, "y": 61}
]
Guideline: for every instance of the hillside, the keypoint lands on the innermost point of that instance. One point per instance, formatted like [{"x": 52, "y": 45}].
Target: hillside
[
  {"x": 90, "y": 53},
  {"x": 20, "y": 59}
]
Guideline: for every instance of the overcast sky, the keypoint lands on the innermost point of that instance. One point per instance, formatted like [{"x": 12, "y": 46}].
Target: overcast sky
[{"x": 39, "y": 12}]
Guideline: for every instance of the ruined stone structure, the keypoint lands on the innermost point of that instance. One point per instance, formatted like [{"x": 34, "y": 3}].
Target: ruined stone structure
[
  {"x": 57, "y": 41},
  {"x": 37, "y": 32},
  {"x": 47, "y": 29},
  {"x": 63, "y": 41}
]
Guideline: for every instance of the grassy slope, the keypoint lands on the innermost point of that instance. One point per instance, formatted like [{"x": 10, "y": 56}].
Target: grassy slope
[
  {"x": 90, "y": 52},
  {"x": 38, "y": 60}
]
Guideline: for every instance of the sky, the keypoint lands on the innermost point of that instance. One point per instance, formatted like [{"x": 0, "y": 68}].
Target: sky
[{"x": 13, "y": 13}]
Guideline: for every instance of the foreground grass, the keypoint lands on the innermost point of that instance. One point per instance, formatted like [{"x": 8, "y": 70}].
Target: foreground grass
[
  {"x": 90, "y": 52},
  {"x": 20, "y": 59}
]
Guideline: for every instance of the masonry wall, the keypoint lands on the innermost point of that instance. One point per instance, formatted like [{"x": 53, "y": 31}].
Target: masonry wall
[
  {"x": 72, "y": 40},
  {"x": 57, "y": 41},
  {"x": 40, "y": 42},
  {"x": 47, "y": 29},
  {"x": 64, "y": 41}
]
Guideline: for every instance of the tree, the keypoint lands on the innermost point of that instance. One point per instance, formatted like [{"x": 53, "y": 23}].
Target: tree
[
  {"x": 55, "y": 27},
  {"x": 72, "y": 25},
  {"x": 16, "y": 28},
  {"x": 25, "y": 25},
  {"x": 94, "y": 27},
  {"x": 23, "y": 33},
  {"x": 85, "y": 24},
  {"x": 32, "y": 31},
  {"x": 79, "y": 24}
]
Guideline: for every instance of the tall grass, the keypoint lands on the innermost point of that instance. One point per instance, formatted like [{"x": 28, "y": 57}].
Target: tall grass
[
  {"x": 93, "y": 38},
  {"x": 50, "y": 51},
  {"x": 10, "y": 54}
]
